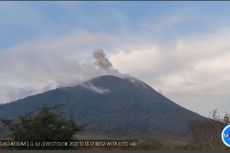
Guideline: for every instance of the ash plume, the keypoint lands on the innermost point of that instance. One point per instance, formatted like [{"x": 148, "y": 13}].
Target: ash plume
[{"x": 103, "y": 63}]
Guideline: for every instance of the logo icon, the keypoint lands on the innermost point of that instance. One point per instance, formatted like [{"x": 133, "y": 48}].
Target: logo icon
[{"x": 226, "y": 135}]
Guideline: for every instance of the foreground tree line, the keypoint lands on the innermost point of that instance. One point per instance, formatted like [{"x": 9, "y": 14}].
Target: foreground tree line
[
  {"x": 45, "y": 125},
  {"x": 48, "y": 125}
]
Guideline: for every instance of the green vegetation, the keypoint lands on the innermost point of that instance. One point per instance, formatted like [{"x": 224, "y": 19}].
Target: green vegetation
[{"x": 45, "y": 125}]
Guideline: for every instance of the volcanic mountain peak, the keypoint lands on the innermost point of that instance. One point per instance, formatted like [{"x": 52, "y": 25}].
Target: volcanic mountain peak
[
  {"x": 114, "y": 107},
  {"x": 118, "y": 78}
]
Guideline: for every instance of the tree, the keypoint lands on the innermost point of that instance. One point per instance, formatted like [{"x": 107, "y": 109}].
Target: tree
[
  {"x": 215, "y": 115},
  {"x": 206, "y": 134},
  {"x": 46, "y": 125}
]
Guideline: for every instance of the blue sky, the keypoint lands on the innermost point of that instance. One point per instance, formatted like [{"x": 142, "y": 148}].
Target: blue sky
[
  {"x": 179, "y": 48},
  {"x": 26, "y": 21}
]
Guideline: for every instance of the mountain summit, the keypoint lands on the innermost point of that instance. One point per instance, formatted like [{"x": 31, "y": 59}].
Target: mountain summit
[{"x": 113, "y": 107}]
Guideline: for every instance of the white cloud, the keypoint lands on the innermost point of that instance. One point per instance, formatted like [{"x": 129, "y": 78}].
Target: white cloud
[
  {"x": 34, "y": 67},
  {"x": 199, "y": 66}
]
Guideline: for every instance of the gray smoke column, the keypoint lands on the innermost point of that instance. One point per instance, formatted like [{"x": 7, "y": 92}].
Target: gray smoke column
[{"x": 102, "y": 62}]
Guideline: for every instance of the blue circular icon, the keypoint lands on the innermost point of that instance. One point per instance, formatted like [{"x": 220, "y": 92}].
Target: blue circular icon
[{"x": 226, "y": 135}]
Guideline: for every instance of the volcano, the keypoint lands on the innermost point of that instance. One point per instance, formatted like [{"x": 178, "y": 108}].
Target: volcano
[{"x": 114, "y": 107}]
